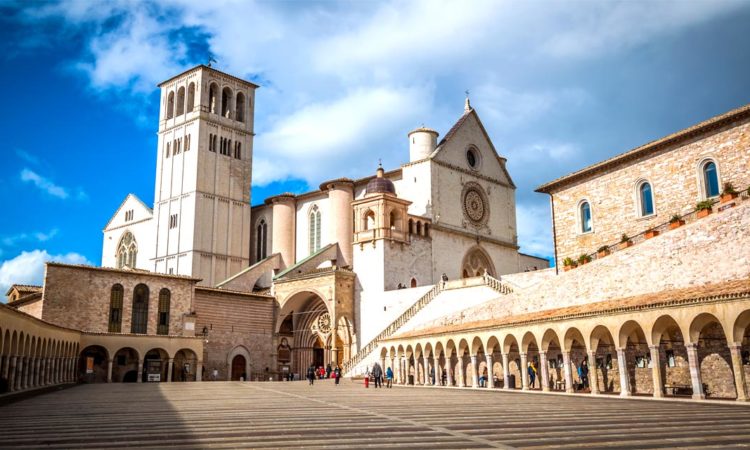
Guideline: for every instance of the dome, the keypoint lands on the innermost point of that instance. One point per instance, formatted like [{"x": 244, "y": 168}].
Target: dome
[{"x": 380, "y": 184}]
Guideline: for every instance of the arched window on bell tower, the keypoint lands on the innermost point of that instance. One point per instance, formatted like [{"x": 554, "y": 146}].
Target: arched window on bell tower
[
  {"x": 190, "y": 97},
  {"x": 170, "y": 105}
]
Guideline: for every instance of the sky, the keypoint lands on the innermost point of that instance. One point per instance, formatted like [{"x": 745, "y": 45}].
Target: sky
[{"x": 558, "y": 86}]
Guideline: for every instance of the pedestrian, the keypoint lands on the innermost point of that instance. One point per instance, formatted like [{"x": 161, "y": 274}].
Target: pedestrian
[
  {"x": 483, "y": 378},
  {"x": 532, "y": 374},
  {"x": 337, "y": 374},
  {"x": 584, "y": 374},
  {"x": 432, "y": 375},
  {"x": 321, "y": 373},
  {"x": 389, "y": 377},
  {"x": 444, "y": 378},
  {"x": 215, "y": 375},
  {"x": 444, "y": 278},
  {"x": 328, "y": 370},
  {"x": 311, "y": 374},
  {"x": 377, "y": 373}
]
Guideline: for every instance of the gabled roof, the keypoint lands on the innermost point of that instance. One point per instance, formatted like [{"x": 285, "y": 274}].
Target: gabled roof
[
  {"x": 302, "y": 262},
  {"x": 24, "y": 288},
  {"x": 150, "y": 211}
]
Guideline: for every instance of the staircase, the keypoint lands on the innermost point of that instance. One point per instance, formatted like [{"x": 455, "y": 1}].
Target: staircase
[{"x": 423, "y": 301}]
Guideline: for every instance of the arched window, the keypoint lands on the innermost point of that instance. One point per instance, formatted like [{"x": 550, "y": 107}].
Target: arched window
[
  {"x": 260, "y": 240},
  {"x": 368, "y": 220},
  {"x": 645, "y": 199},
  {"x": 127, "y": 251},
  {"x": 213, "y": 92},
  {"x": 395, "y": 220},
  {"x": 419, "y": 228},
  {"x": 411, "y": 226},
  {"x": 413, "y": 282},
  {"x": 170, "y": 105},
  {"x": 226, "y": 102},
  {"x": 585, "y": 217},
  {"x": 710, "y": 179},
  {"x": 163, "y": 318},
  {"x": 190, "y": 97},
  {"x": 139, "y": 322},
  {"x": 314, "y": 227},
  {"x": 115, "y": 309},
  {"x": 180, "y": 109},
  {"x": 240, "y": 114}
]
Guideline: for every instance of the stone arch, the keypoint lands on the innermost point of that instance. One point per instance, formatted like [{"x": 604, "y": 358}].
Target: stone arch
[
  {"x": 740, "y": 327},
  {"x": 180, "y": 102},
  {"x": 477, "y": 346},
  {"x": 313, "y": 327},
  {"x": 233, "y": 366},
  {"x": 191, "y": 97},
  {"x": 240, "y": 107},
  {"x": 185, "y": 365},
  {"x": 213, "y": 98},
  {"x": 606, "y": 372},
  {"x": 226, "y": 102},
  {"x": 714, "y": 358},
  {"x": 92, "y": 364},
  {"x": 125, "y": 365},
  {"x": 476, "y": 262},
  {"x": 170, "y": 105},
  {"x": 155, "y": 362}
]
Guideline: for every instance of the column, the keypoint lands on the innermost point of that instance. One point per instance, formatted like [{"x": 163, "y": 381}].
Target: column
[
  {"x": 544, "y": 371},
  {"x": 656, "y": 371},
  {"x": 461, "y": 377},
  {"x": 109, "y": 371},
  {"x": 622, "y": 367},
  {"x": 72, "y": 371},
  {"x": 448, "y": 371},
  {"x": 593, "y": 373},
  {"x": 506, "y": 372},
  {"x": 19, "y": 372},
  {"x": 739, "y": 371},
  {"x": 474, "y": 372},
  {"x": 35, "y": 380},
  {"x": 568, "y": 372},
  {"x": 55, "y": 365},
  {"x": 524, "y": 373},
  {"x": 398, "y": 370},
  {"x": 140, "y": 371},
  {"x": 490, "y": 375},
  {"x": 393, "y": 368},
  {"x": 426, "y": 365},
  {"x": 169, "y": 370},
  {"x": 12, "y": 373},
  {"x": 382, "y": 365},
  {"x": 695, "y": 371},
  {"x": 43, "y": 372},
  {"x": 199, "y": 371}
]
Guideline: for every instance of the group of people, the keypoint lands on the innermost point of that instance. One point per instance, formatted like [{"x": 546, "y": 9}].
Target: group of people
[
  {"x": 378, "y": 375},
  {"x": 321, "y": 373}
]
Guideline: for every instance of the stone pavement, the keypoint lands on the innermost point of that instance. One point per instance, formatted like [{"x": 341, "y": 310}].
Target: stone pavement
[{"x": 275, "y": 415}]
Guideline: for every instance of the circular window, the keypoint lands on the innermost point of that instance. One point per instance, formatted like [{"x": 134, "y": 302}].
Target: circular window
[
  {"x": 475, "y": 204},
  {"x": 472, "y": 157}
]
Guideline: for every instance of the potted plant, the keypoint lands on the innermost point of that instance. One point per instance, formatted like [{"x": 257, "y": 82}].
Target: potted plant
[
  {"x": 650, "y": 233},
  {"x": 703, "y": 208},
  {"x": 729, "y": 193},
  {"x": 676, "y": 222},
  {"x": 584, "y": 259},
  {"x": 625, "y": 242},
  {"x": 568, "y": 264},
  {"x": 603, "y": 251}
]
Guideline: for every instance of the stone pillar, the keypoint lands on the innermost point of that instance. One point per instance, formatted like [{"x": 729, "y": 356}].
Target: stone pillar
[
  {"x": 524, "y": 372},
  {"x": 170, "y": 365},
  {"x": 283, "y": 227},
  {"x": 199, "y": 371},
  {"x": 622, "y": 367},
  {"x": 36, "y": 378},
  {"x": 43, "y": 372},
  {"x": 140, "y": 371},
  {"x": 426, "y": 365},
  {"x": 474, "y": 371},
  {"x": 544, "y": 371},
  {"x": 55, "y": 364},
  {"x": 490, "y": 375},
  {"x": 109, "y": 371},
  {"x": 568, "y": 372},
  {"x": 393, "y": 368},
  {"x": 12, "y": 373},
  {"x": 506, "y": 372},
  {"x": 6, "y": 365},
  {"x": 448, "y": 372},
  {"x": 19, "y": 372},
  {"x": 397, "y": 371},
  {"x": 739, "y": 372},
  {"x": 593, "y": 373},
  {"x": 340, "y": 198},
  {"x": 72, "y": 369},
  {"x": 695, "y": 371},
  {"x": 656, "y": 371},
  {"x": 461, "y": 375}
]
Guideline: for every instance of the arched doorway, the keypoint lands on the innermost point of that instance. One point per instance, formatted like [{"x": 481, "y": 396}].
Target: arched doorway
[
  {"x": 92, "y": 364},
  {"x": 318, "y": 353},
  {"x": 238, "y": 368},
  {"x": 184, "y": 365},
  {"x": 155, "y": 366},
  {"x": 125, "y": 366}
]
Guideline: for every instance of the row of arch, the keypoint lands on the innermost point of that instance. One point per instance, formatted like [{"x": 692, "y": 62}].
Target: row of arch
[
  {"x": 708, "y": 186},
  {"x": 28, "y": 361},
  {"x": 702, "y": 354},
  {"x": 183, "y": 101},
  {"x": 419, "y": 227},
  {"x": 97, "y": 364}
]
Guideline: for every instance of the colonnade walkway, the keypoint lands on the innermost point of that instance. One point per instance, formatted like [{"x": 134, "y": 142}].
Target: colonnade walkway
[{"x": 293, "y": 415}]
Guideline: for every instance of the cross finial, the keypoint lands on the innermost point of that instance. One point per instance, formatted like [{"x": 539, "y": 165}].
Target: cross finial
[
  {"x": 467, "y": 105},
  {"x": 380, "y": 162},
  {"x": 210, "y": 60}
]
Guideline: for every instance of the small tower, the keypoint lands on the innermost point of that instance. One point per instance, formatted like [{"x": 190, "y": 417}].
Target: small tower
[
  {"x": 422, "y": 142},
  {"x": 380, "y": 214}
]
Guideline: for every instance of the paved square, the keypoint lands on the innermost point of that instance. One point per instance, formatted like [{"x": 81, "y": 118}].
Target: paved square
[{"x": 274, "y": 415}]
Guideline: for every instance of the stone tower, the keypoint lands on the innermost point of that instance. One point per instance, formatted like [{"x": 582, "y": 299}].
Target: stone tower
[{"x": 203, "y": 175}]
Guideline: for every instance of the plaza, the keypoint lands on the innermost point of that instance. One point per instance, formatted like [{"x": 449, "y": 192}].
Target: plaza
[{"x": 296, "y": 415}]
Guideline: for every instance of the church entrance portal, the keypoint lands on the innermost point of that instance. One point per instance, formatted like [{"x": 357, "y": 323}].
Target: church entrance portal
[
  {"x": 318, "y": 355},
  {"x": 238, "y": 368}
]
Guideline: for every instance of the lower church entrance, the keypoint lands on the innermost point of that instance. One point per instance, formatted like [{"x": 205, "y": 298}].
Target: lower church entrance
[
  {"x": 318, "y": 354},
  {"x": 238, "y": 368}
]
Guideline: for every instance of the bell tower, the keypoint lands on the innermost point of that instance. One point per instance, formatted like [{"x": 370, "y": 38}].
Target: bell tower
[{"x": 203, "y": 175}]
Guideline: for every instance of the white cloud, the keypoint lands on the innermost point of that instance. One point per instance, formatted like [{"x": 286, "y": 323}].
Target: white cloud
[
  {"x": 37, "y": 236},
  {"x": 28, "y": 267},
  {"x": 534, "y": 229},
  {"x": 44, "y": 184}
]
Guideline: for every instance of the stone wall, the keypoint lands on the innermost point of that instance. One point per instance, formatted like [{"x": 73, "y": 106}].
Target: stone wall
[
  {"x": 675, "y": 178},
  {"x": 79, "y": 297}
]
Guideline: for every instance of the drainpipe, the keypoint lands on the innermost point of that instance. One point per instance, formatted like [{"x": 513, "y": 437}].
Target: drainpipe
[{"x": 554, "y": 231}]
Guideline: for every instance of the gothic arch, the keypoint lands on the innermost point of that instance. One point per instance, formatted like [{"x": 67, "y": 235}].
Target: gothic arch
[
  {"x": 239, "y": 350},
  {"x": 475, "y": 262}
]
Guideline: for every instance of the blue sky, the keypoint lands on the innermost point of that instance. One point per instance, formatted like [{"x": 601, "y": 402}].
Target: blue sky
[{"x": 558, "y": 85}]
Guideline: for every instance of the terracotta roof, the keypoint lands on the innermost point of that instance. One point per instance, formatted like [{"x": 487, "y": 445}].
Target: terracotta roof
[
  {"x": 710, "y": 292},
  {"x": 324, "y": 185},
  {"x": 24, "y": 288},
  {"x": 124, "y": 271},
  {"x": 26, "y": 299},
  {"x": 651, "y": 147},
  {"x": 233, "y": 292},
  {"x": 455, "y": 127}
]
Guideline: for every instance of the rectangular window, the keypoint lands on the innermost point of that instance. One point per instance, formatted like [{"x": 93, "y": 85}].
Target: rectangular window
[
  {"x": 187, "y": 142},
  {"x": 169, "y": 148},
  {"x": 173, "y": 221}
]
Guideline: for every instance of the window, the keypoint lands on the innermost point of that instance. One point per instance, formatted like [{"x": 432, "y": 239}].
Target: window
[
  {"x": 646, "y": 199},
  {"x": 212, "y": 94},
  {"x": 413, "y": 282},
  {"x": 216, "y": 142},
  {"x": 180, "y": 110},
  {"x": 187, "y": 142},
  {"x": 369, "y": 220},
  {"x": 127, "y": 251},
  {"x": 140, "y": 310},
  {"x": 169, "y": 148},
  {"x": 226, "y": 102},
  {"x": 212, "y": 143},
  {"x": 710, "y": 179},
  {"x": 128, "y": 215},
  {"x": 240, "y": 110},
  {"x": 170, "y": 105},
  {"x": 173, "y": 221},
  {"x": 585, "y": 217},
  {"x": 472, "y": 157},
  {"x": 191, "y": 97},
  {"x": 163, "y": 318},
  {"x": 238, "y": 150},
  {"x": 314, "y": 227},
  {"x": 115, "y": 308},
  {"x": 260, "y": 240}
]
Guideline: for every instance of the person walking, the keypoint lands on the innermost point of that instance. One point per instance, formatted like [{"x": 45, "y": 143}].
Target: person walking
[
  {"x": 328, "y": 370},
  {"x": 337, "y": 374},
  {"x": 532, "y": 374},
  {"x": 584, "y": 374},
  {"x": 389, "y": 377},
  {"x": 377, "y": 374},
  {"x": 432, "y": 375},
  {"x": 444, "y": 378},
  {"x": 311, "y": 374}
]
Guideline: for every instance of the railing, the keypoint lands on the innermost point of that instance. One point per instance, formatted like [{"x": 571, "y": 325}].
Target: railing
[{"x": 423, "y": 301}]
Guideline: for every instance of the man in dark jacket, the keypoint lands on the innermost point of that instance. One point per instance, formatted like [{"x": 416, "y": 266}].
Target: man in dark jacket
[
  {"x": 377, "y": 373},
  {"x": 311, "y": 374}
]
